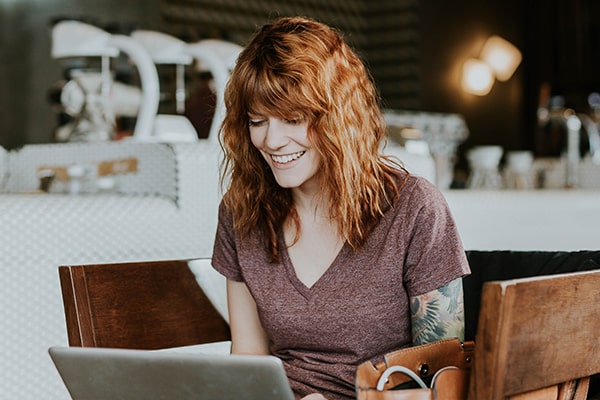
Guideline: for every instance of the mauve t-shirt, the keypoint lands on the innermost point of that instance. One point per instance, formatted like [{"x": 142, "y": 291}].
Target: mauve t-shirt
[{"x": 359, "y": 309}]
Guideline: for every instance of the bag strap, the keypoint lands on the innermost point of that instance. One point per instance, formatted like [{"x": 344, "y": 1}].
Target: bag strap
[
  {"x": 449, "y": 383},
  {"x": 384, "y": 378},
  {"x": 424, "y": 360}
]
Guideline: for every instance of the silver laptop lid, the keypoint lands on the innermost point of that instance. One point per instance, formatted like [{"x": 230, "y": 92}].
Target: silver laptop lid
[{"x": 107, "y": 374}]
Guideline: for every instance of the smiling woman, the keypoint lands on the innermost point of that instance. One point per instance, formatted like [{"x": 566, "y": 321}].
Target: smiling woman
[
  {"x": 334, "y": 254},
  {"x": 285, "y": 146}
]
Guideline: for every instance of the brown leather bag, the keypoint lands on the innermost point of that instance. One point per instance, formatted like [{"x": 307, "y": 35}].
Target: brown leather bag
[{"x": 447, "y": 362}]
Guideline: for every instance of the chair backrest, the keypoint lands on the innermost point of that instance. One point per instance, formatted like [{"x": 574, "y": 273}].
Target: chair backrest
[
  {"x": 536, "y": 333},
  {"x": 138, "y": 305}
]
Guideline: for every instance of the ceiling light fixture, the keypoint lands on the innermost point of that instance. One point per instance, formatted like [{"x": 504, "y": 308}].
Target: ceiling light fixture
[{"x": 498, "y": 60}]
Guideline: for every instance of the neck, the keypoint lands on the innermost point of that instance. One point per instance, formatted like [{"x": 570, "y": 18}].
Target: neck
[
  {"x": 314, "y": 220},
  {"x": 311, "y": 204}
]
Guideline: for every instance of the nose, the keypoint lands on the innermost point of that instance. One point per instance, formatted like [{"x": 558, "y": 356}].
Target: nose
[{"x": 275, "y": 134}]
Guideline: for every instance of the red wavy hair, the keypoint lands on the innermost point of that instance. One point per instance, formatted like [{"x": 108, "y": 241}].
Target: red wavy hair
[{"x": 298, "y": 66}]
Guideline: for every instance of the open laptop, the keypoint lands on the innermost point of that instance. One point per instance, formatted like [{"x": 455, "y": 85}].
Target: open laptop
[{"x": 106, "y": 374}]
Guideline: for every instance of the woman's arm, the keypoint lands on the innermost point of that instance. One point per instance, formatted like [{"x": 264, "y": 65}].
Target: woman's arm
[
  {"x": 247, "y": 334},
  {"x": 438, "y": 314}
]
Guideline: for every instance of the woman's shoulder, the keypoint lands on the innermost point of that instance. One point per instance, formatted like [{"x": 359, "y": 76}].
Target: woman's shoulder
[
  {"x": 225, "y": 210},
  {"x": 417, "y": 194},
  {"x": 415, "y": 185}
]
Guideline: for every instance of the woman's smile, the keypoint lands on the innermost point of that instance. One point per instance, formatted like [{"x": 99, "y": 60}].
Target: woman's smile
[
  {"x": 285, "y": 146},
  {"x": 287, "y": 158}
]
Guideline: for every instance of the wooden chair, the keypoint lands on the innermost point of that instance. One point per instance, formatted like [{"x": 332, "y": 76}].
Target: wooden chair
[
  {"x": 138, "y": 305},
  {"x": 537, "y": 338}
]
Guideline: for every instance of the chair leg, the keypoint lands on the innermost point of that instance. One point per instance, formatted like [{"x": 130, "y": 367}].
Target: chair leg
[{"x": 581, "y": 388}]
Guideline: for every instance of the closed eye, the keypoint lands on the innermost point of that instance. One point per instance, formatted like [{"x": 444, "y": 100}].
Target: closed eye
[
  {"x": 256, "y": 122},
  {"x": 294, "y": 121}
]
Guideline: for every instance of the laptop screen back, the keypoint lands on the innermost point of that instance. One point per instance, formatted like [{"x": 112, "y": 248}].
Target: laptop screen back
[{"x": 101, "y": 374}]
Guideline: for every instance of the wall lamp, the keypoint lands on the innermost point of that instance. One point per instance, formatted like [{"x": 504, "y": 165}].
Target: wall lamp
[{"x": 498, "y": 60}]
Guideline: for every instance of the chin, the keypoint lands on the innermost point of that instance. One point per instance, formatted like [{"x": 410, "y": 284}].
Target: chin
[
  {"x": 287, "y": 183},
  {"x": 295, "y": 179}
]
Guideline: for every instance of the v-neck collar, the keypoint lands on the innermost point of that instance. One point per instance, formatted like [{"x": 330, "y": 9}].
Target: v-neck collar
[{"x": 327, "y": 275}]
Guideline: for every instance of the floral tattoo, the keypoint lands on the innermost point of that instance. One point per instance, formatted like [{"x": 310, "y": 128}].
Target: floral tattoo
[{"x": 438, "y": 314}]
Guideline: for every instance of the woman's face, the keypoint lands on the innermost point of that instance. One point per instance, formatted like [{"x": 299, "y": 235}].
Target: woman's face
[{"x": 285, "y": 146}]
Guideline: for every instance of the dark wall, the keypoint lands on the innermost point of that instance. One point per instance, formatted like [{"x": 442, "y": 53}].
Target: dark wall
[
  {"x": 560, "y": 42},
  {"x": 454, "y": 31},
  {"x": 563, "y": 45}
]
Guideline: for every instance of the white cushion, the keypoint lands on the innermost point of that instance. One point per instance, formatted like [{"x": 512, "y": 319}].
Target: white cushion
[{"x": 212, "y": 283}]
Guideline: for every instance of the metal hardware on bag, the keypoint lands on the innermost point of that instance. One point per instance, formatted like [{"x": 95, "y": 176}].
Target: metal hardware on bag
[{"x": 423, "y": 369}]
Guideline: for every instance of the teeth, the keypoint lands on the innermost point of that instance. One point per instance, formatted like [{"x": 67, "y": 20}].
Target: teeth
[{"x": 287, "y": 158}]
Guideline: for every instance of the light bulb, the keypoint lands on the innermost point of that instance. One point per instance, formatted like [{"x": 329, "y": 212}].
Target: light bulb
[
  {"x": 477, "y": 77},
  {"x": 502, "y": 56}
]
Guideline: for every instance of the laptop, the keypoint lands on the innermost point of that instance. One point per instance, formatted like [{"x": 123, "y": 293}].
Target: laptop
[{"x": 92, "y": 373}]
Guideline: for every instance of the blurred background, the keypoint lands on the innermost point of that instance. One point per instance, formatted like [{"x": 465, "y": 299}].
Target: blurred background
[{"x": 414, "y": 49}]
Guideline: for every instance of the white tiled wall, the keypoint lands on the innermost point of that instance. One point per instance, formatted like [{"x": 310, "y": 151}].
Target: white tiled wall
[{"x": 40, "y": 232}]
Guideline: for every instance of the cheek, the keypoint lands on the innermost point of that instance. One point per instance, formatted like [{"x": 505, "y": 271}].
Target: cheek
[
  {"x": 317, "y": 162},
  {"x": 256, "y": 137}
]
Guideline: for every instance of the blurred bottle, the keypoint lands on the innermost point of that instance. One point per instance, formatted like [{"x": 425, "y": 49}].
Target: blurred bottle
[
  {"x": 518, "y": 171},
  {"x": 484, "y": 162}
]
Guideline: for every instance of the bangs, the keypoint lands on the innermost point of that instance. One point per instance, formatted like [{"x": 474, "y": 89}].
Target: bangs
[{"x": 267, "y": 92}]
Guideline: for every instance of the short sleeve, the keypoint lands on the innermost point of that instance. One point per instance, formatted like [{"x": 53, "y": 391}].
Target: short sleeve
[
  {"x": 435, "y": 253},
  {"x": 225, "y": 255}
]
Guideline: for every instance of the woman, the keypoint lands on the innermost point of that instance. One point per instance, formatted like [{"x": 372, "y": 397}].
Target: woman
[{"x": 333, "y": 254}]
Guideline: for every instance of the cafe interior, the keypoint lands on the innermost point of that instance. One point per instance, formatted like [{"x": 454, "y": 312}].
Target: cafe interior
[{"x": 109, "y": 154}]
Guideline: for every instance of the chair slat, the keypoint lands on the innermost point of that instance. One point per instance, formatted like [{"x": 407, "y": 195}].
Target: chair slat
[
  {"x": 138, "y": 305},
  {"x": 536, "y": 332}
]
